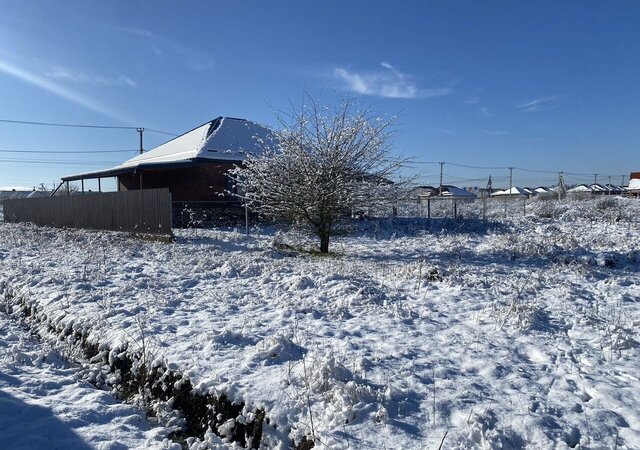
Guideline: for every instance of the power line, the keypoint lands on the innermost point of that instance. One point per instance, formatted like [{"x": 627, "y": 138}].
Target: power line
[
  {"x": 477, "y": 167},
  {"x": 72, "y": 125},
  {"x": 153, "y": 130},
  {"x": 44, "y": 161},
  {"x": 524, "y": 169},
  {"x": 75, "y": 125},
  {"x": 422, "y": 162},
  {"x": 67, "y": 151}
]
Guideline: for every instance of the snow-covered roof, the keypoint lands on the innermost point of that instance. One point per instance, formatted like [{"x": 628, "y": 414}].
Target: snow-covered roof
[
  {"x": 580, "y": 188},
  {"x": 634, "y": 184},
  {"x": 11, "y": 194},
  {"x": 221, "y": 139},
  {"x": 541, "y": 190},
  {"x": 515, "y": 190},
  {"x": 454, "y": 191}
]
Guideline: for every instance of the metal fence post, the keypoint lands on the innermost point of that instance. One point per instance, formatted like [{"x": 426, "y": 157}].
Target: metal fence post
[
  {"x": 246, "y": 219},
  {"x": 484, "y": 209}
]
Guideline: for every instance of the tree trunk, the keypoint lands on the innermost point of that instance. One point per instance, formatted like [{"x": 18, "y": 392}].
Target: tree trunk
[{"x": 324, "y": 242}]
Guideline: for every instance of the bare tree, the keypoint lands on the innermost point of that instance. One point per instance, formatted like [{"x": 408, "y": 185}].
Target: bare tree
[{"x": 327, "y": 163}]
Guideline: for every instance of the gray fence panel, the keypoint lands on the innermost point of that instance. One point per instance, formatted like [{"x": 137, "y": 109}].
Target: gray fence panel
[{"x": 144, "y": 211}]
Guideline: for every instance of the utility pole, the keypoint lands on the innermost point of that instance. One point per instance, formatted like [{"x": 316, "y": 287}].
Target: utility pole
[
  {"x": 560, "y": 185},
  {"x": 595, "y": 178},
  {"x": 609, "y": 186},
  {"x": 441, "y": 170},
  {"x": 506, "y": 197},
  {"x": 510, "y": 180},
  {"x": 140, "y": 130},
  {"x": 622, "y": 180}
]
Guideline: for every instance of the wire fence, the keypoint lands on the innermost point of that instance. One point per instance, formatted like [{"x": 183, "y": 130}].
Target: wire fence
[{"x": 463, "y": 208}]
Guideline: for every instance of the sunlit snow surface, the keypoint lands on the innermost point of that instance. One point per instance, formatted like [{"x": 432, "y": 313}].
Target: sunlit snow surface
[
  {"x": 522, "y": 335},
  {"x": 44, "y": 404}
]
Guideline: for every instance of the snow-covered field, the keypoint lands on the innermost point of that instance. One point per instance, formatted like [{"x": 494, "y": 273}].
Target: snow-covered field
[
  {"x": 45, "y": 405},
  {"x": 412, "y": 335}
]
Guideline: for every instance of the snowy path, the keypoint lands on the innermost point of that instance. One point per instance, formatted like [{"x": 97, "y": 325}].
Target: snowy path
[{"x": 44, "y": 405}]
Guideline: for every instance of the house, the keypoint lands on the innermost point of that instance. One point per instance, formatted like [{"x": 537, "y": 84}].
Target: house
[
  {"x": 541, "y": 190},
  {"x": 194, "y": 166},
  {"x": 614, "y": 189},
  {"x": 11, "y": 193},
  {"x": 580, "y": 189},
  {"x": 634, "y": 184},
  {"x": 512, "y": 192},
  {"x": 598, "y": 189},
  {"x": 448, "y": 191}
]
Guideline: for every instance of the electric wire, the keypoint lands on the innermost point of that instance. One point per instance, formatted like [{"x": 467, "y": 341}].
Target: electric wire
[
  {"x": 67, "y": 151},
  {"x": 515, "y": 168},
  {"x": 55, "y": 162},
  {"x": 76, "y": 125}
]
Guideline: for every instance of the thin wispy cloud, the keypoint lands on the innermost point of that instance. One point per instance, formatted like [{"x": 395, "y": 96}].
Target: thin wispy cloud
[
  {"x": 388, "y": 83},
  {"x": 485, "y": 112},
  {"x": 163, "y": 47},
  {"x": 80, "y": 76},
  {"x": 540, "y": 103},
  {"x": 472, "y": 100},
  {"x": 494, "y": 132},
  {"x": 46, "y": 84}
]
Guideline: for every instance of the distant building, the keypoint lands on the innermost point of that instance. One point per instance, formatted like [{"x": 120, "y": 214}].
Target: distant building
[
  {"x": 448, "y": 191},
  {"x": 634, "y": 184},
  {"x": 515, "y": 191}
]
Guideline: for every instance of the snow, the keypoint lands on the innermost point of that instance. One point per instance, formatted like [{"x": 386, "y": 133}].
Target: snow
[
  {"x": 634, "y": 183},
  {"x": 519, "y": 335},
  {"x": 581, "y": 188},
  {"x": 183, "y": 147},
  {"x": 44, "y": 404},
  {"x": 232, "y": 140},
  {"x": 515, "y": 191},
  {"x": 457, "y": 192}
]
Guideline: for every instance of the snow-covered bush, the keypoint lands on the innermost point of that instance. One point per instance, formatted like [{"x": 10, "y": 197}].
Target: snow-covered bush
[{"x": 328, "y": 163}]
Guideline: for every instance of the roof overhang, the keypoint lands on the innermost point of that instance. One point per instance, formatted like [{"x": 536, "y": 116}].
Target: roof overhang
[{"x": 121, "y": 170}]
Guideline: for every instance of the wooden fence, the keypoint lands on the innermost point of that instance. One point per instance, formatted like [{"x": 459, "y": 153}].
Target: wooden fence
[{"x": 143, "y": 211}]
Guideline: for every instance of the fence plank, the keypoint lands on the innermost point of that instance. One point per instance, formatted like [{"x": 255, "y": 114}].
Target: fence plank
[{"x": 145, "y": 211}]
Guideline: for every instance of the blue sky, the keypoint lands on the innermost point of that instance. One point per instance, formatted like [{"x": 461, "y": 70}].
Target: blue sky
[{"x": 540, "y": 85}]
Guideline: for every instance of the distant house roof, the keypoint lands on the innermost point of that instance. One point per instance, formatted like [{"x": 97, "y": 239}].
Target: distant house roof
[
  {"x": 221, "y": 139},
  {"x": 6, "y": 194},
  {"x": 454, "y": 191},
  {"x": 514, "y": 191},
  {"x": 580, "y": 188},
  {"x": 634, "y": 184},
  {"x": 447, "y": 191}
]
